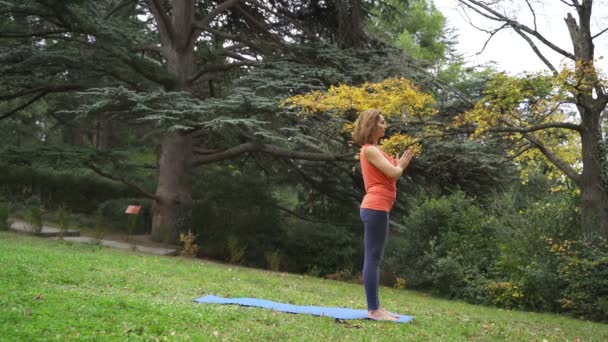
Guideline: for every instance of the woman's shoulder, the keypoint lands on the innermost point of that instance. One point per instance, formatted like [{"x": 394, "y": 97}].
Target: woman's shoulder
[{"x": 371, "y": 151}]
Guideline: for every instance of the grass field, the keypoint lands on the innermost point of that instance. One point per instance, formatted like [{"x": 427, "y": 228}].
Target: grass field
[{"x": 54, "y": 290}]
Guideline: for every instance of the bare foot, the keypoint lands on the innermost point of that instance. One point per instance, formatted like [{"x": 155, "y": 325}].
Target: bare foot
[
  {"x": 380, "y": 315},
  {"x": 388, "y": 313}
]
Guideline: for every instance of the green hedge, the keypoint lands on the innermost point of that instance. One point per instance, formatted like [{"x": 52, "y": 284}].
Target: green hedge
[
  {"x": 77, "y": 193},
  {"x": 113, "y": 213}
]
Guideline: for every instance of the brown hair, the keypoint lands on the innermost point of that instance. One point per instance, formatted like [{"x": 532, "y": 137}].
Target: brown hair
[{"x": 365, "y": 125}]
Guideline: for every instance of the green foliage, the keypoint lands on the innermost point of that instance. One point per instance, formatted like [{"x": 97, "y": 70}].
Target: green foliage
[
  {"x": 522, "y": 250},
  {"x": 235, "y": 202},
  {"x": 100, "y": 229},
  {"x": 62, "y": 217},
  {"x": 4, "y": 214},
  {"x": 274, "y": 260},
  {"x": 322, "y": 247},
  {"x": 35, "y": 216},
  {"x": 505, "y": 294},
  {"x": 415, "y": 26},
  {"x": 80, "y": 193},
  {"x": 583, "y": 265},
  {"x": 113, "y": 213},
  {"x": 446, "y": 241},
  {"x": 190, "y": 247},
  {"x": 236, "y": 250}
]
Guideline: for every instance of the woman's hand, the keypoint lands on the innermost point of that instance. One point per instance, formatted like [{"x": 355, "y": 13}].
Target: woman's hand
[
  {"x": 404, "y": 160},
  {"x": 375, "y": 157}
]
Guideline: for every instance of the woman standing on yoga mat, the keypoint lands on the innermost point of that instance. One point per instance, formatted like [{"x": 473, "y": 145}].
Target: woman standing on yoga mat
[{"x": 380, "y": 174}]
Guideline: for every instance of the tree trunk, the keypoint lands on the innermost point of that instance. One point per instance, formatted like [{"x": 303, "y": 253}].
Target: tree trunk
[
  {"x": 350, "y": 34},
  {"x": 172, "y": 210},
  {"x": 173, "y": 207},
  {"x": 594, "y": 195}
]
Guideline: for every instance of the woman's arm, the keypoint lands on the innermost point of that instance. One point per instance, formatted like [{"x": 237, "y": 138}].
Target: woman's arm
[{"x": 376, "y": 158}]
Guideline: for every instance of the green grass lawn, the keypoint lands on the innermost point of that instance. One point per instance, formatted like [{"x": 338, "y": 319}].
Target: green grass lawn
[{"x": 54, "y": 290}]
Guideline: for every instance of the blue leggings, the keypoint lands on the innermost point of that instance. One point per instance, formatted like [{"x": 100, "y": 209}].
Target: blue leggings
[{"x": 376, "y": 235}]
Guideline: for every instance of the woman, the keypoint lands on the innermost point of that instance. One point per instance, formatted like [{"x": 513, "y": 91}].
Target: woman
[{"x": 380, "y": 174}]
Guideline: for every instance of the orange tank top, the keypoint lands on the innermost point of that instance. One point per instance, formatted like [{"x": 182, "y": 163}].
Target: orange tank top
[{"x": 380, "y": 190}]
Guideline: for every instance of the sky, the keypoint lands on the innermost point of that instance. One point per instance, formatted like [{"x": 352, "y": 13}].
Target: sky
[{"x": 510, "y": 52}]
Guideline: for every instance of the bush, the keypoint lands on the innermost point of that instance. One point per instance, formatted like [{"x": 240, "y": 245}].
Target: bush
[
  {"x": 274, "y": 260},
  {"x": 113, "y": 213},
  {"x": 190, "y": 249},
  {"x": 4, "y": 213},
  {"x": 525, "y": 257},
  {"x": 583, "y": 265},
  {"x": 445, "y": 241},
  {"x": 322, "y": 247},
  {"x": 506, "y": 294},
  {"x": 78, "y": 193},
  {"x": 236, "y": 219}
]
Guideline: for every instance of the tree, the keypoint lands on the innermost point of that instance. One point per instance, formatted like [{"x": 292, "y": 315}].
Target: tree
[
  {"x": 416, "y": 26},
  {"x": 175, "y": 63},
  {"x": 536, "y": 107}
]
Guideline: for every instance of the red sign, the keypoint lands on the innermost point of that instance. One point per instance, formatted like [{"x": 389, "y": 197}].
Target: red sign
[{"x": 133, "y": 209}]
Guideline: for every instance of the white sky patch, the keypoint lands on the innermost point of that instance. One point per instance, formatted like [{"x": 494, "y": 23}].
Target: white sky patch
[{"x": 510, "y": 51}]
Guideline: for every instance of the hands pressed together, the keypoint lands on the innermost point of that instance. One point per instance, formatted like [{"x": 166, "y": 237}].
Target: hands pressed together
[{"x": 404, "y": 160}]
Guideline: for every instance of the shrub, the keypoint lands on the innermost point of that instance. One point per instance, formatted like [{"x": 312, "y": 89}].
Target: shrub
[
  {"x": 506, "y": 294},
  {"x": 79, "y": 193},
  {"x": 4, "y": 213},
  {"x": 525, "y": 257},
  {"x": 35, "y": 214},
  {"x": 345, "y": 275},
  {"x": 62, "y": 220},
  {"x": 113, "y": 213},
  {"x": 446, "y": 240},
  {"x": 583, "y": 265},
  {"x": 448, "y": 277},
  {"x": 190, "y": 247},
  {"x": 400, "y": 283},
  {"x": 236, "y": 250},
  {"x": 322, "y": 247},
  {"x": 274, "y": 260},
  {"x": 235, "y": 206}
]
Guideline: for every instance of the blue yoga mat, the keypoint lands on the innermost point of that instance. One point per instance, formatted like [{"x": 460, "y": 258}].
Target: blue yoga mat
[{"x": 340, "y": 313}]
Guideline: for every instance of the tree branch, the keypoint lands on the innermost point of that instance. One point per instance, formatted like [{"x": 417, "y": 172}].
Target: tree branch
[
  {"x": 599, "y": 34},
  {"x": 562, "y": 125},
  {"x": 123, "y": 181},
  {"x": 31, "y": 34},
  {"x": 214, "y": 13},
  {"x": 560, "y": 164},
  {"x": 304, "y": 218},
  {"x": 220, "y": 67},
  {"x": 537, "y": 51},
  {"x": 573, "y": 4},
  {"x": 163, "y": 21},
  {"x": 25, "y": 105},
  {"x": 150, "y": 47},
  {"x": 118, "y": 7},
  {"x": 42, "y": 92},
  {"x": 533, "y": 13},
  {"x": 490, "y": 13},
  {"x": 47, "y": 90},
  {"x": 269, "y": 149}
]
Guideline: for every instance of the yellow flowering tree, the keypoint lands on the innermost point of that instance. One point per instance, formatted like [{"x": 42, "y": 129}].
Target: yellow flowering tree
[
  {"x": 572, "y": 107},
  {"x": 553, "y": 121},
  {"x": 398, "y": 99},
  {"x": 533, "y": 113}
]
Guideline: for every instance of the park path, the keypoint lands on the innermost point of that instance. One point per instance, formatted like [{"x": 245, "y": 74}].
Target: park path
[{"x": 73, "y": 235}]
